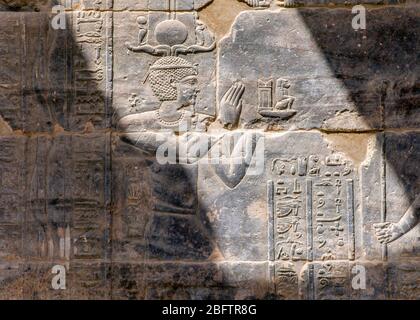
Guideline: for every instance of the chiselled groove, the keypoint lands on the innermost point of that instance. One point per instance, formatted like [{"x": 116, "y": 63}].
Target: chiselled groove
[
  {"x": 350, "y": 217},
  {"x": 309, "y": 218}
]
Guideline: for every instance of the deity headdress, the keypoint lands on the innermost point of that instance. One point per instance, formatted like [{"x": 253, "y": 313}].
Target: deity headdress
[
  {"x": 165, "y": 72},
  {"x": 173, "y": 37}
]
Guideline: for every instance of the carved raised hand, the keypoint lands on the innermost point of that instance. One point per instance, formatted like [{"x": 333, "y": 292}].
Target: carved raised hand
[
  {"x": 231, "y": 105},
  {"x": 387, "y": 232}
]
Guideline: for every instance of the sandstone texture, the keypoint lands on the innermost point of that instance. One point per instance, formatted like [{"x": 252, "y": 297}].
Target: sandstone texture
[{"x": 209, "y": 149}]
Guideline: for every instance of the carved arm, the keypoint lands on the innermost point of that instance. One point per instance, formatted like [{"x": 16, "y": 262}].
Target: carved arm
[{"x": 387, "y": 232}]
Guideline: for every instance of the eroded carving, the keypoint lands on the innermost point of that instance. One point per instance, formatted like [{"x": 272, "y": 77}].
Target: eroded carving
[
  {"x": 281, "y": 108},
  {"x": 388, "y": 232},
  {"x": 257, "y": 3},
  {"x": 311, "y": 203},
  {"x": 174, "y": 82},
  {"x": 171, "y": 36}
]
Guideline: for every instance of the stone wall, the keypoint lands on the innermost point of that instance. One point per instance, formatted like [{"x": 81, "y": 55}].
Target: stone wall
[{"x": 327, "y": 181}]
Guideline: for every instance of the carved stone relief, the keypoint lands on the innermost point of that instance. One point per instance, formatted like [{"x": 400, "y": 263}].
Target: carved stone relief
[{"x": 156, "y": 158}]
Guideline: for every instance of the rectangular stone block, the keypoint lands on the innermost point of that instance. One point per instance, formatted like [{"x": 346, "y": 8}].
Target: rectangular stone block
[
  {"x": 81, "y": 281},
  {"x": 11, "y": 282},
  {"x": 89, "y": 280},
  {"x": 145, "y": 209},
  {"x": 322, "y": 202},
  {"x": 90, "y": 4},
  {"x": 317, "y": 71},
  {"x": 91, "y": 70},
  {"x": 12, "y": 198},
  {"x": 373, "y": 198},
  {"x": 11, "y": 79},
  {"x": 403, "y": 280},
  {"x": 36, "y": 281},
  {"x": 303, "y": 206},
  {"x": 166, "y": 281},
  {"x": 132, "y": 73},
  {"x": 69, "y": 197},
  {"x": 65, "y": 81},
  {"x": 338, "y": 280},
  {"x": 160, "y": 5},
  {"x": 402, "y": 154}
]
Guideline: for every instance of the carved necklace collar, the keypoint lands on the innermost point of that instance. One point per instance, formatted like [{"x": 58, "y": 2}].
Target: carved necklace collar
[{"x": 170, "y": 123}]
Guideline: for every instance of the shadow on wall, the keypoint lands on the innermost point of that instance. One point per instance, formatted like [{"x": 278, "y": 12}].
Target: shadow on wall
[
  {"x": 55, "y": 152},
  {"x": 380, "y": 70},
  {"x": 62, "y": 118}
]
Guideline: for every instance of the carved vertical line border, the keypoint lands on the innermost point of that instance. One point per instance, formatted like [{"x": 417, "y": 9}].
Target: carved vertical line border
[
  {"x": 23, "y": 109},
  {"x": 309, "y": 224},
  {"x": 310, "y": 294},
  {"x": 309, "y": 235},
  {"x": 350, "y": 218},
  {"x": 270, "y": 235},
  {"x": 270, "y": 198},
  {"x": 23, "y": 82},
  {"x": 109, "y": 60},
  {"x": 383, "y": 192},
  {"x": 70, "y": 87},
  {"x": 109, "y": 86}
]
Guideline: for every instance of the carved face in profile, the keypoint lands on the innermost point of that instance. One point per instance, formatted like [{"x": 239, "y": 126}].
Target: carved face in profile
[
  {"x": 174, "y": 79},
  {"x": 187, "y": 90}
]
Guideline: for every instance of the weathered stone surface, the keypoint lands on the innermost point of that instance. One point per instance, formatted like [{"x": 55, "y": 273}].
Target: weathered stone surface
[
  {"x": 68, "y": 197},
  {"x": 65, "y": 81},
  {"x": 404, "y": 280},
  {"x": 12, "y": 199},
  {"x": 209, "y": 150},
  {"x": 334, "y": 75},
  {"x": 181, "y": 5},
  {"x": 403, "y": 183},
  {"x": 131, "y": 67},
  {"x": 190, "y": 281},
  {"x": 25, "y": 5}
]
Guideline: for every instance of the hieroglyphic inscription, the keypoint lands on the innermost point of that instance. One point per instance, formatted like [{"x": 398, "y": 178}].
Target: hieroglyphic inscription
[
  {"x": 92, "y": 68},
  {"x": 10, "y": 70},
  {"x": 312, "y": 205},
  {"x": 331, "y": 279},
  {"x": 329, "y": 184},
  {"x": 281, "y": 107},
  {"x": 90, "y": 194},
  {"x": 11, "y": 190}
]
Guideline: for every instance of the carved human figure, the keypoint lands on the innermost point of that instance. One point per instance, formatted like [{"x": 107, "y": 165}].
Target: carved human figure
[
  {"x": 175, "y": 140},
  {"x": 199, "y": 31},
  {"x": 203, "y": 34},
  {"x": 174, "y": 82},
  {"x": 142, "y": 22},
  {"x": 285, "y": 101},
  {"x": 388, "y": 232}
]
